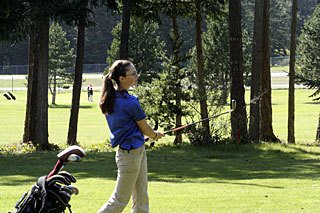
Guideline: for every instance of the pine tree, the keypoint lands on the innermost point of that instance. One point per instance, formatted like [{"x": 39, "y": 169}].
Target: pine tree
[
  {"x": 308, "y": 72},
  {"x": 61, "y": 57}
]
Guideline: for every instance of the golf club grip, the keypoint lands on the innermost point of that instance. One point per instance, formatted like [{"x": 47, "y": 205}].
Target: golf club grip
[{"x": 171, "y": 130}]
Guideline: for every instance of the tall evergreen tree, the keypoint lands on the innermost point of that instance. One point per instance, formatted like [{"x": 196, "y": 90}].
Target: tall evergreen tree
[
  {"x": 144, "y": 53},
  {"x": 61, "y": 58},
  {"x": 308, "y": 62}
]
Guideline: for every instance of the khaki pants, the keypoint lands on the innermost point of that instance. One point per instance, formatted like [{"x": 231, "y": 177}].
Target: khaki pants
[{"x": 132, "y": 181}]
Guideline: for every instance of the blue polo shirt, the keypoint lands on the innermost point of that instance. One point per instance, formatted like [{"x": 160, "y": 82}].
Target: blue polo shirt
[{"x": 124, "y": 130}]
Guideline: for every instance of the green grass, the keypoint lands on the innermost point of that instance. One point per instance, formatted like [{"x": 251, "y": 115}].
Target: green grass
[
  {"x": 220, "y": 178},
  {"x": 306, "y": 115},
  {"x": 280, "y": 69},
  {"x": 15, "y": 83},
  {"x": 92, "y": 127},
  {"x": 246, "y": 178},
  {"x": 21, "y": 80}
]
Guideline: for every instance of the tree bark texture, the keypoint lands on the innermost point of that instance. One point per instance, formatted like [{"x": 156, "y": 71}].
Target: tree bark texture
[
  {"x": 42, "y": 100},
  {"x": 36, "y": 121},
  {"x": 54, "y": 93},
  {"x": 200, "y": 69},
  {"x": 292, "y": 73},
  {"x": 266, "y": 130},
  {"x": 318, "y": 130},
  {"x": 254, "y": 123},
  {"x": 239, "y": 116},
  {"x": 31, "y": 107},
  {"x": 76, "y": 92},
  {"x": 178, "y": 138},
  {"x": 125, "y": 30}
]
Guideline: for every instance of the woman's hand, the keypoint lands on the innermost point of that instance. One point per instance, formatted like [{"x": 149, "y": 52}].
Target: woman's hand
[{"x": 158, "y": 135}]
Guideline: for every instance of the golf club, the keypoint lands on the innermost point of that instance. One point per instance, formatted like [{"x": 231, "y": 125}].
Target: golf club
[
  {"x": 233, "y": 107},
  {"x": 52, "y": 192},
  {"x": 73, "y": 154}
]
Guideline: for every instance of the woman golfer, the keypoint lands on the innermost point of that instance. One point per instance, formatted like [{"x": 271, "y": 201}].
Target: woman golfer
[{"x": 127, "y": 123}]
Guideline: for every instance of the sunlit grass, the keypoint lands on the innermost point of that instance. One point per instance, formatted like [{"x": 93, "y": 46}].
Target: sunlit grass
[
  {"x": 92, "y": 127},
  {"x": 246, "y": 178}
]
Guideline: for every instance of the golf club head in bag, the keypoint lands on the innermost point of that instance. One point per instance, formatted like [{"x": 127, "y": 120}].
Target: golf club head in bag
[
  {"x": 48, "y": 195},
  {"x": 71, "y": 154},
  {"x": 72, "y": 150},
  {"x": 53, "y": 192}
]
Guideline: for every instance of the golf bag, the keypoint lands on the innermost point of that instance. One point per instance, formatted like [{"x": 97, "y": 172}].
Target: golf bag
[
  {"x": 48, "y": 195},
  {"x": 52, "y": 193}
]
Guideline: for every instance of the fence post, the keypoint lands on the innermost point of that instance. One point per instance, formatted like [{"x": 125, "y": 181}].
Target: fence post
[{"x": 318, "y": 130}]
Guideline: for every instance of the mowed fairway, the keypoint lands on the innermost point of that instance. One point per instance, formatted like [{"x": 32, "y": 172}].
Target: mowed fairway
[
  {"x": 246, "y": 178},
  {"x": 92, "y": 127}
]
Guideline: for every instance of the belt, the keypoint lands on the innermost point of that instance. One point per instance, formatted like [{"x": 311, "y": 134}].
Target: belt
[
  {"x": 134, "y": 150},
  {"x": 128, "y": 150}
]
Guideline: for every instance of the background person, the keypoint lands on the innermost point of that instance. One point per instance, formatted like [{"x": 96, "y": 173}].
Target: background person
[
  {"x": 127, "y": 124},
  {"x": 90, "y": 93}
]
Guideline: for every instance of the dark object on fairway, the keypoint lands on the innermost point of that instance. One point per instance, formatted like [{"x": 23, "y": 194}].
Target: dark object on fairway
[
  {"x": 12, "y": 96},
  {"x": 53, "y": 192},
  {"x": 7, "y": 96}
]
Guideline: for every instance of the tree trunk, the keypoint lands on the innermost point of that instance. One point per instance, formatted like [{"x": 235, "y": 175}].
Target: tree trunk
[
  {"x": 239, "y": 116},
  {"x": 291, "y": 104},
  {"x": 42, "y": 101},
  {"x": 318, "y": 130},
  {"x": 178, "y": 139},
  {"x": 125, "y": 30},
  {"x": 266, "y": 130},
  {"x": 254, "y": 124},
  {"x": 76, "y": 92},
  {"x": 54, "y": 92},
  {"x": 31, "y": 107},
  {"x": 200, "y": 73},
  {"x": 36, "y": 121}
]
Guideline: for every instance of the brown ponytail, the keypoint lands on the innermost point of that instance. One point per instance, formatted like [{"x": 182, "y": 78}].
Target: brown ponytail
[{"x": 108, "y": 94}]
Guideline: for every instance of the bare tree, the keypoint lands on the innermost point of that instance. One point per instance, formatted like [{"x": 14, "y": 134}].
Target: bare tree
[
  {"x": 200, "y": 69},
  {"x": 239, "y": 116},
  {"x": 36, "y": 120},
  {"x": 76, "y": 91},
  {"x": 254, "y": 125},
  {"x": 266, "y": 130},
  {"x": 291, "y": 104}
]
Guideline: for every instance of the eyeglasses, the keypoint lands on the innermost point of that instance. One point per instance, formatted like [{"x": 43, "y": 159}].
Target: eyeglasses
[{"x": 134, "y": 73}]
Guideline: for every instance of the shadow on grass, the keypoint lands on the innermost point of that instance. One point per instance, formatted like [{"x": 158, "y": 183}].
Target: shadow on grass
[
  {"x": 313, "y": 102},
  {"x": 187, "y": 164},
  {"x": 68, "y": 106}
]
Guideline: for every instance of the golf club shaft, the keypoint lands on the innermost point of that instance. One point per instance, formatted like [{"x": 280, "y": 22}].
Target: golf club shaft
[
  {"x": 56, "y": 168},
  {"x": 233, "y": 107},
  {"x": 187, "y": 125}
]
